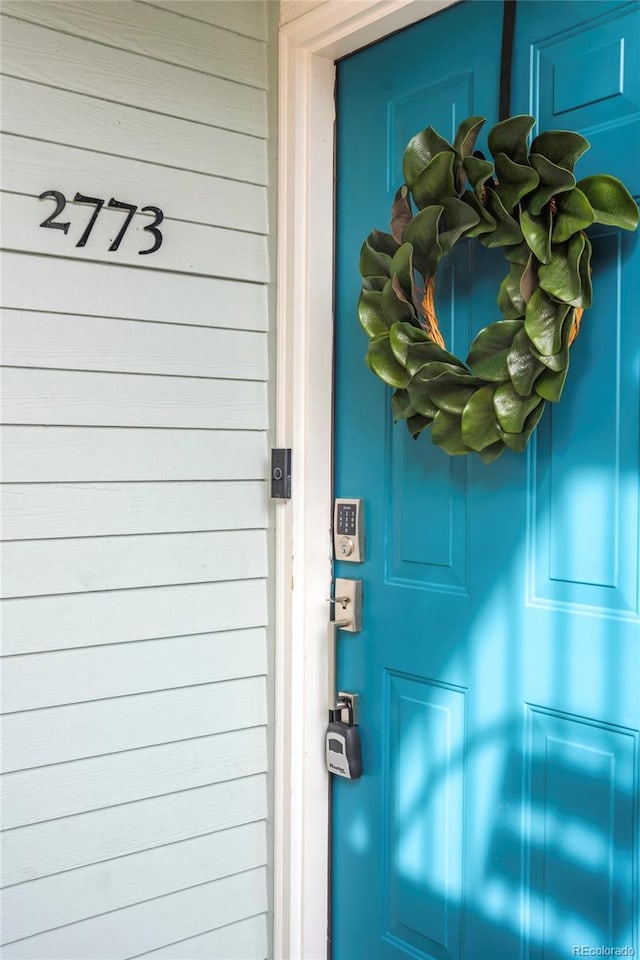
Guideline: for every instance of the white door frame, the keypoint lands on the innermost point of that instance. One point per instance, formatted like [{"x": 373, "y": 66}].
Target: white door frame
[{"x": 308, "y": 50}]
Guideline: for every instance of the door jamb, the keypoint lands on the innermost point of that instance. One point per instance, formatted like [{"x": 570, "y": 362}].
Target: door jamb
[{"x": 308, "y": 49}]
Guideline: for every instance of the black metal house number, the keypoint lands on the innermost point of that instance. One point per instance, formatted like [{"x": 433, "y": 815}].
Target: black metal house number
[{"x": 53, "y": 223}]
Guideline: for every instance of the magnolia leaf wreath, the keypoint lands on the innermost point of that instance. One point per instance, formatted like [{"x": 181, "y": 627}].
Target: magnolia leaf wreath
[{"x": 528, "y": 202}]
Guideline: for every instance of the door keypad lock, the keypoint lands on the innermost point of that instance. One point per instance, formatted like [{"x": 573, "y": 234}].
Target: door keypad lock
[{"x": 348, "y": 530}]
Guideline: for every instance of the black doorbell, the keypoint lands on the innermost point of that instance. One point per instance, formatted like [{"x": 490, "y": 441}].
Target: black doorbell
[{"x": 281, "y": 473}]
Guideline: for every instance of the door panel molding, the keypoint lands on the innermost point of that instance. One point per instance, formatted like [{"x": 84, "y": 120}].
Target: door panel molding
[{"x": 308, "y": 49}]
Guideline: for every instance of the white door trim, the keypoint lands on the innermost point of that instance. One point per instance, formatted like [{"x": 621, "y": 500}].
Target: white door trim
[{"x": 308, "y": 49}]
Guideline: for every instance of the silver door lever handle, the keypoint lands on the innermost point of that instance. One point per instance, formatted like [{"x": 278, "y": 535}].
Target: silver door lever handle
[
  {"x": 332, "y": 635},
  {"x": 349, "y": 598}
]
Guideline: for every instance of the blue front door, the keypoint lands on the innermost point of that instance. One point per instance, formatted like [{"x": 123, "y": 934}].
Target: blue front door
[{"x": 499, "y": 661}]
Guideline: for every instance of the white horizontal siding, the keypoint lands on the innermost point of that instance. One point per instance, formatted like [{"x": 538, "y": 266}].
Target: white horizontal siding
[
  {"x": 96, "y": 673},
  {"x": 71, "y": 398},
  {"x": 187, "y": 247},
  {"x": 31, "y": 625},
  {"x": 143, "y": 926},
  {"x": 44, "y": 56},
  {"x": 39, "y": 454},
  {"x": 152, "y": 33},
  {"x": 203, "y": 199},
  {"x": 36, "y": 567},
  {"x": 101, "y": 888},
  {"x": 60, "y": 790},
  {"x": 135, "y": 404},
  {"x": 54, "y": 846},
  {"x": 246, "y": 17},
  {"x": 85, "y": 289},
  {"x": 32, "y": 339},
  {"x": 37, "y": 510},
  {"x": 59, "y": 734},
  {"x": 237, "y": 941},
  {"x": 31, "y": 110}
]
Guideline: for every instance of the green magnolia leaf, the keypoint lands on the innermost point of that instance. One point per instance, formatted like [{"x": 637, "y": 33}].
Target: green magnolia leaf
[
  {"x": 543, "y": 322},
  {"x": 399, "y": 290},
  {"x": 463, "y": 144},
  {"x": 374, "y": 283},
  {"x": 402, "y": 336},
  {"x": 382, "y": 362},
  {"x": 437, "y": 368},
  {"x": 478, "y": 171},
  {"x": 450, "y": 392},
  {"x": 376, "y": 254},
  {"x": 561, "y": 276},
  {"x": 561, "y": 147},
  {"x": 422, "y": 233},
  {"x": 553, "y": 180},
  {"x": 537, "y": 233},
  {"x": 510, "y": 137},
  {"x": 400, "y": 212},
  {"x": 421, "y": 401},
  {"x": 488, "y": 354},
  {"x": 402, "y": 268},
  {"x": 555, "y": 362},
  {"x": 401, "y": 294},
  {"x": 417, "y": 423},
  {"x": 446, "y": 432},
  {"x": 574, "y": 213},
  {"x": 507, "y": 231},
  {"x": 510, "y": 299},
  {"x": 371, "y": 315},
  {"x": 505, "y": 304},
  {"x": 486, "y": 223},
  {"x": 515, "y": 180},
  {"x": 467, "y": 134},
  {"x": 558, "y": 361},
  {"x": 401, "y": 407},
  {"x": 436, "y": 181},
  {"x": 611, "y": 201},
  {"x": 528, "y": 279},
  {"x": 550, "y": 384},
  {"x": 397, "y": 308},
  {"x": 584, "y": 268},
  {"x": 419, "y": 354},
  {"x": 420, "y": 150},
  {"x": 511, "y": 409},
  {"x": 458, "y": 218},
  {"x": 523, "y": 367},
  {"x": 489, "y": 454},
  {"x": 518, "y": 254},
  {"x": 478, "y": 421},
  {"x": 518, "y": 441}
]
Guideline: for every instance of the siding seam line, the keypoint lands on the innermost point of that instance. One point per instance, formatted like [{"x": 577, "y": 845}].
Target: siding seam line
[
  {"x": 263, "y": 137},
  {"x": 122, "y": 156},
  {"x": 123, "y": 643},
  {"x": 134, "y": 266},
  {"x": 127, "y": 803},
  {"x": 136, "y": 53},
  {"x": 64, "y": 704},
  {"x": 135, "y": 903},
  {"x": 185, "y": 16},
  {"x": 133, "y": 853}
]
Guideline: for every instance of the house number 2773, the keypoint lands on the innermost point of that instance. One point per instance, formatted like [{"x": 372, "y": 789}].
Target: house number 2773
[{"x": 129, "y": 209}]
